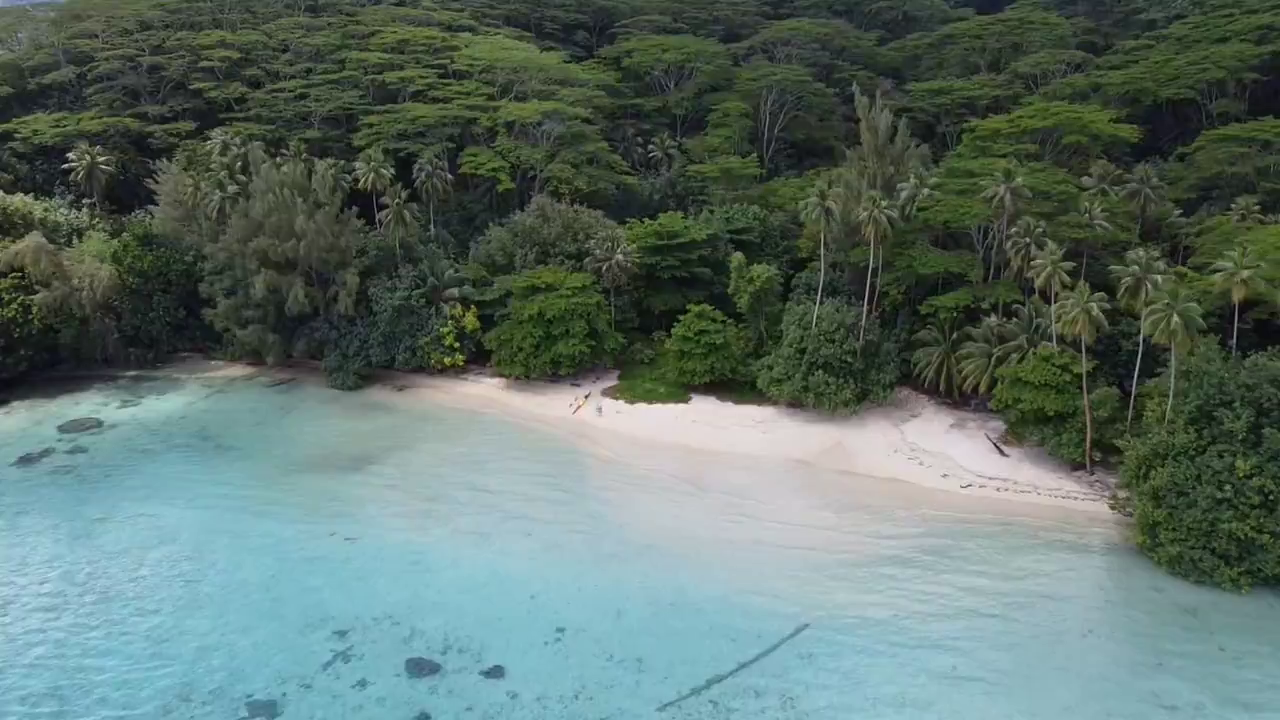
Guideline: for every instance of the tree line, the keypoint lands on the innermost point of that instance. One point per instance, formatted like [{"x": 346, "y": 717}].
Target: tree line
[{"x": 1065, "y": 210}]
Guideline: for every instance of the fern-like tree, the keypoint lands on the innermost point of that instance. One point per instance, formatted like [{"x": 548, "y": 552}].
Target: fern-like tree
[{"x": 1082, "y": 315}]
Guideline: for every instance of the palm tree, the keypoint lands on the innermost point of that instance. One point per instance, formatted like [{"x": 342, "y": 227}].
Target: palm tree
[
  {"x": 1051, "y": 272},
  {"x": 432, "y": 179},
  {"x": 875, "y": 218},
  {"x": 981, "y": 355},
  {"x": 1022, "y": 244},
  {"x": 1082, "y": 316},
  {"x": 822, "y": 209},
  {"x": 398, "y": 217},
  {"x": 1137, "y": 280},
  {"x": 221, "y": 192},
  {"x": 664, "y": 153},
  {"x": 1026, "y": 331},
  {"x": 935, "y": 362},
  {"x": 445, "y": 283},
  {"x": 373, "y": 175},
  {"x": 1245, "y": 209},
  {"x": 1172, "y": 319},
  {"x": 1006, "y": 191},
  {"x": 1142, "y": 190},
  {"x": 613, "y": 261},
  {"x": 1103, "y": 181},
  {"x": 1096, "y": 218},
  {"x": 1240, "y": 272},
  {"x": 91, "y": 168},
  {"x": 911, "y": 192}
]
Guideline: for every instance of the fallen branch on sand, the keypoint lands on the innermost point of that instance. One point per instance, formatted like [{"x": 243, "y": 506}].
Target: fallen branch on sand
[
  {"x": 996, "y": 445},
  {"x": 717, "y": 679}
]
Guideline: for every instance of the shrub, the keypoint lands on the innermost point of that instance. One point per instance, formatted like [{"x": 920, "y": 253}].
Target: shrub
[
  {"x": 1204, "y": 490},
  {"x": 823, "y": 367},
  {"x": 705, "y": 347},
  {"x": 557, "y": 324}
]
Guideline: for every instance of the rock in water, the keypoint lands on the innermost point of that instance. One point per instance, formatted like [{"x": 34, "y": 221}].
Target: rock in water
[
  {"x": 424, "y": 715},
  {"x": 493, "y": 672},
  {"x": 76, "y": 450},
  {"x": 79, "y": 425},
  {"x": 266, "y": 709},
  {"x": 420, "y": 667},
  {"x": 32, "y": 458}
]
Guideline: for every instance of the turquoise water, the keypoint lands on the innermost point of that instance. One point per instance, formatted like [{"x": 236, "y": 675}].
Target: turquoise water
[{"x": 220, "y": 541}]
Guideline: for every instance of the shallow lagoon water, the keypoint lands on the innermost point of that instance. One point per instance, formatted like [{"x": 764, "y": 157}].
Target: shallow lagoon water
[{"x": 222, "y": 540}]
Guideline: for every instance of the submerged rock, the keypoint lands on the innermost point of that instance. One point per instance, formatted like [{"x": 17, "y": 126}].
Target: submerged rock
[
  {"x": 268, "y": 709},
  {"x": 361, "y": 685},
  {"x": 493, "y": 672},
  {"x": 420, "y": 667},
  {"x": 422, "y": 715},
  {"x": 76, "y": 450},
  {"x": 32, "y": 458},
  {"x": 79, "y": 425}
]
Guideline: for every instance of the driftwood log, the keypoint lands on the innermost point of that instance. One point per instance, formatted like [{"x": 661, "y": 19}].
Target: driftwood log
[
  {"x": 717, "y": 679},
  {"x": 996, "y": 445}
]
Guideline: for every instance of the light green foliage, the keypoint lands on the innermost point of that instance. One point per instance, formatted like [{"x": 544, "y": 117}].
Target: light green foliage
[
  {"x": 1204, "y": 488},
  {"x": 1227, "y": 162},
  {"x": 454, "y": 341},
  {"x": 757, "y": 293},
  {"x": 705, "y": 347},
  {"x": 1055, "y": 132},
  {"x": 985, "y": 43},
  {"x": 823, "y": 367},
  {"x": 56, "y": 220},
  {"x": 557, "y": 324},
  {"x": 546, "y": 232}
]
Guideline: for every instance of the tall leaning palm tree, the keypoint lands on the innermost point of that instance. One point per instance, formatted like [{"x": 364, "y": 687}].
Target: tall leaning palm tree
[
  {"x": 822, "y": 210},
  {"x": 613, "y": 261},
  {"x": 1025, "y": 239},
  {"x": 374, "y": 175},
  {"x": 935, "y": 363},
  {"x": 432, "y": 180},
  {"x": 1095, "y": 217},
  {"x": 398, "y": 217},
  {"x": 1006, "y": 191},
  {"x": 1172, "y": 319},
  {"x": 1137, "y": 280},
  {"x": 1143, "y": 190},
  {"x": 1081, "y": 315},
  {"x": 1050, "y": 272},
  {"x": 1239, "y": 271},
  {"x": 875, "y": 217},
  {"x": 91, "y": 168}
]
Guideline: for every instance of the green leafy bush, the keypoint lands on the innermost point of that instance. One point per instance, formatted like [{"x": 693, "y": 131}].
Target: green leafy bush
[
  {"x": 557, "y": 324},
  {"x": 823, "y": 367},
  {"x": 705, "y": 347},
  {"x": 1204, "y": 490}
]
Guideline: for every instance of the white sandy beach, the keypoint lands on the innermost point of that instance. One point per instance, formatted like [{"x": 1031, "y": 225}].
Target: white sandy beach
[{"x": 917, "y": 440}]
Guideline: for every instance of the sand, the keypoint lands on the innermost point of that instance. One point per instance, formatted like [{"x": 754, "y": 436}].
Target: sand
[{"x": 915, "y": 440}]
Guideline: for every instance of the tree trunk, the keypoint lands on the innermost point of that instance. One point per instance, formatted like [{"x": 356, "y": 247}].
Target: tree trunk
[
  {"x": 431, "y": 209},
  {"x": 1133, "y": 392},
  {"x": 377, "y": 224},
  {"x": 1088, "y": 411},
  {"x": 822, "y": 275},
  {"x": 1053, "y": 315},
  {"x": 1173, "y": 380},
  {"x": 866, "y": 298},
  {"x": 1235, "y": 331},
  {"x": 613, "y": 315},
  {"x": 875, "y": 300}
]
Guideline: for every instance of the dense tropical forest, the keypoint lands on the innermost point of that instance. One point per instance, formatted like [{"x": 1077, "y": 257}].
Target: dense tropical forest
[{"x": 1066, "y": 210}]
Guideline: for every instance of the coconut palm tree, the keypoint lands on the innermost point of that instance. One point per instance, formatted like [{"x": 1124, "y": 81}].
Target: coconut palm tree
[
  {"x": 398, "y": 217},
  {"x": 1245, "y": 209},
  {"x": 1143, "y": 190},
  {"x": 221, "y": 192},
  {"x": 935, "y": 363},
  {"x": 1137, "y": 280},
  {"x": 1239, "y": 271},
  {"x": 91, "y": 168},
  {"x": 1103, "y": 181},
  {"x": 1006, "y": 191},
  {"x": 1173, "y": 318},
  {"x": 432, "y": 180},
  {"x": 1050, "y": 272},
  {"x": 875, "y": 217},
  {"x": 980, "y": 355},
  {"x": 822, "y": 210},
  {"x": 444, "y": 282},
  {"x": 1095, "y": 217},
  {"x": 613, "y": 261},
  {"x": 1024, "y": 240},
  {"x": 911, "y": 192},
  {"x": 664, "y": 153},
  {"x": 1081, "y": 315},
  {"x": 1026, "y": 331},
  {"x": 373, "y": 174}
]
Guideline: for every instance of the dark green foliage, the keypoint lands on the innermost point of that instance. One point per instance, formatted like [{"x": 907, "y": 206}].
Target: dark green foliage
[
  {"x": 677, "y": 258},
  {"x": 650, "y": 383},
  {"x": 1204, "y": 489},
  {"x": 705, "y": 347},
  {"x": 26, "y": 340},
  {"x": 557, "y": 325},
  {"x": 544, "y": 233},
  {"x": 1039, "y": 399},
  {"x": 159, "y": 301},
  {"x": 823, "y": 368}
]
